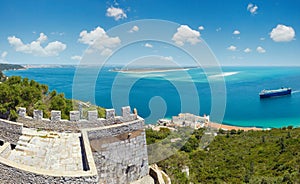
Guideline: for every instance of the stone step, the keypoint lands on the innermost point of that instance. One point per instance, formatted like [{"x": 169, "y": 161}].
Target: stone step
[
  {"x": 21, "y": 148},
  {"x": 30, "y": 132},
  {"x": 24, "y": 149},
  {"x": 23, "y": 143},
  {"x": 25, "y": 138}
]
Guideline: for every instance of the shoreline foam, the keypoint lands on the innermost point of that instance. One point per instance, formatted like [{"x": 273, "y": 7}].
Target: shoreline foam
[{"x": 151, "y": 70}]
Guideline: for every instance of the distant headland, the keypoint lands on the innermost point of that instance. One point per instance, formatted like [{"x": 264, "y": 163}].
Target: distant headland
[{"x": 4, "y": 66}]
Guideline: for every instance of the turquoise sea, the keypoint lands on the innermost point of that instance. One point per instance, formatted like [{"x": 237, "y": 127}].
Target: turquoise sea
[{"x": 243, "y": 105}]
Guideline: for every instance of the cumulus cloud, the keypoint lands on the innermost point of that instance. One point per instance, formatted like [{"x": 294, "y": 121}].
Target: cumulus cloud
[
  {"x": 232, "y": 48},
  {"x": 185, "y": 34},
  {"x": 116, "y": 13},
  {"x": 148, "y": 45},
  {"x": 262, "y": 38},
  {"x": 42, "y": 38},
  {"x": 76, "y": 58},
  {"x": 261, "y": 50},
  {"x": 282, "y": 33},
  {"x": 247, "y": 50},
  {"x": 201, "y": 28},
  {"x": 134, "y": 29},
  {"x": 36, "y": 48},
  {"x": 236, "y": 32},
  {"x": 167, "y": 58},
  {"x": 99, "y": 40},
  {"x": 252, "y": 8}
]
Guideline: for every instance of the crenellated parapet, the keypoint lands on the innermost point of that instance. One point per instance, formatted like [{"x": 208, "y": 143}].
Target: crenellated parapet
[{"x": 75, "y": 123}]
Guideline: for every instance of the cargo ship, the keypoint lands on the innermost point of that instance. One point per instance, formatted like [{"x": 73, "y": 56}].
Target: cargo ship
[{"x": 275, "y": 92}]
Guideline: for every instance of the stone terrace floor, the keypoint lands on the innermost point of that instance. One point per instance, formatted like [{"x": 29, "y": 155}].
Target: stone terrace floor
[{"x": 48, "y": 150}]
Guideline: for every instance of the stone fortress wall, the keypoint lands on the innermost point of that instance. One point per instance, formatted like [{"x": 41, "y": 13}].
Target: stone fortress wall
[
  {"x": 10, "y": 131},
  {"x": 114, "y": 148}
]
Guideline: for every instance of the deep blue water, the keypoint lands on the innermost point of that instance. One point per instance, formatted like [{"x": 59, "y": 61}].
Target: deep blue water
[{"x": 162, "y": 94}]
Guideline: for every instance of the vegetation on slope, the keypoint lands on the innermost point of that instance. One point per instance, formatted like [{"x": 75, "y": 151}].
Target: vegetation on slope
[
  {"x": 271, "y": 156},
  {"x": 4, "y": 66},
  {"x": 17, "y": 92}
]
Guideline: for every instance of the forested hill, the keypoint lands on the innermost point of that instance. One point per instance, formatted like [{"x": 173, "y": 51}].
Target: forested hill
[
  {"x": 21, "y": 92},
  {"x": 269, "y": 156},
  {"x": 4, "y": 66}
]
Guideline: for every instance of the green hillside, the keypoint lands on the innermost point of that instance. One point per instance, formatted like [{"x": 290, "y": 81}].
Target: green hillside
[
  {"x": 21, "y": 92},
  {"x": 271, "y": 156},
  {"x": 8, "y": 67},
  {"x": 4, "y": 66}
]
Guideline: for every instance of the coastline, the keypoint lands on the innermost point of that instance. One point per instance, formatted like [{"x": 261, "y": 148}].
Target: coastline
[
  {"x": 263, "y": 115},
  {"x": 231, "y": 127}
]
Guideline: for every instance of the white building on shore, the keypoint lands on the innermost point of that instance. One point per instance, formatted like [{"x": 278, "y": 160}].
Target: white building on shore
[{"x": 190, "y": 120}]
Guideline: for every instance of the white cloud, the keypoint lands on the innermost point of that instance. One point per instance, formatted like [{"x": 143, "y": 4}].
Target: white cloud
[
  {"x": 262, "y": 38},
  {"x": 42, "y": 38},
  {"x": 116, "y": 13},
  {"x": 134, "y": 29},
  {"x": 252, "y": 8},
  {"x": 232, "y": 48},
  {"x": 201, "y": 28},
  {"x": 186, "y": 34},
  {"x": 98, "y": 39},
  {"x": 236, "y": 32},
  {"x": 76, "y": 58},
  {"x": 167, "y": 58},
  {"x": 261, "y": 50},
  {"x": 247, "y": 50},
  {"x": 54, "y": 48},
  {"x": 148, "y": 45},
  {"x": 35, "y": 47},
  {"x": 282, "y": 33}
]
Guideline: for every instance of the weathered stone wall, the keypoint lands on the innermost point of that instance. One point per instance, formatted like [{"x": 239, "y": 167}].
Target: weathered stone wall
[
  {"x": 116, "y": 129},
  {"x": 10, "y": 131},
  {"x": 115, "y": 147},
  {"x": 5, "y": 150},
  {"x": 120, "y": 152},
  {"x": 12, "y": 172},
  {"x": 46, "y": 124},
  {"x": 14, "y": 175},
  {"x": 75, "y": 124}
]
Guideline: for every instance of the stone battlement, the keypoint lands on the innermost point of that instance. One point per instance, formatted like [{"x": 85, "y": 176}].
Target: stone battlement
[
  {"x": 75, "y": 124},
  {"x": 113, "y": 149},
  {"x": 111, "y": 118}
]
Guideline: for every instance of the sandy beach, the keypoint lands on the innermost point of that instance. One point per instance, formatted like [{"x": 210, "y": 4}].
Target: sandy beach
[{"x": 229, "y": 127}]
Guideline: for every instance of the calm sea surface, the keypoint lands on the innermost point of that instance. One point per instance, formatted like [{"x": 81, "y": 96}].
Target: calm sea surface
[{"x": 156, "y": 94}]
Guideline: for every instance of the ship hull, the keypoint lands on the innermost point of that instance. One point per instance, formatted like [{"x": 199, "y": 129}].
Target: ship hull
[{"x": 280, "y": 93}]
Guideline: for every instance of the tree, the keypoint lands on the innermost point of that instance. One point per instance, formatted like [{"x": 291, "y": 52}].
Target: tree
[{"x": 233, "y": 131}]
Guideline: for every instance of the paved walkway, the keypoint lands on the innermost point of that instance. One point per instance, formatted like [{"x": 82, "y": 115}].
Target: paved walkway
[{"x": 48, "y": 150}]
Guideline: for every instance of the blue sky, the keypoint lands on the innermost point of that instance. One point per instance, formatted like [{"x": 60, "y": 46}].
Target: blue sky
[{"x": 239, "y": 32}]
